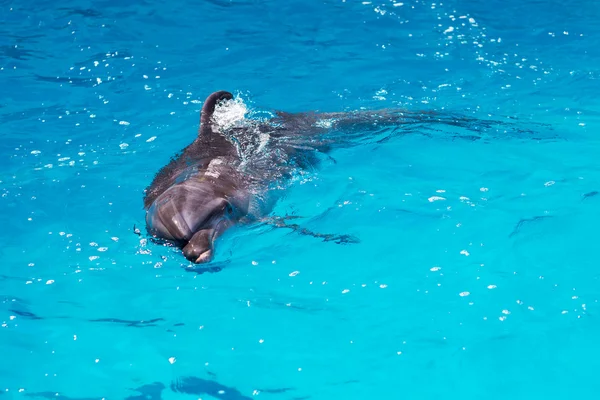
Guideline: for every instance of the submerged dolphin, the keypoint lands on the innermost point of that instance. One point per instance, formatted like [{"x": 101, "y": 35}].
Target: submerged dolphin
[{"x": 226, "y": 174}]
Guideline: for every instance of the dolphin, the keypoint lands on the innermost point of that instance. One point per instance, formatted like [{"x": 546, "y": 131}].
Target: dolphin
[{"x": 230, "y": 173}]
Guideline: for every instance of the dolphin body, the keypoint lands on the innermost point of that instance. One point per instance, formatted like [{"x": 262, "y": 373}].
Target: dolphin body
[{"x": 229, "y": 174}]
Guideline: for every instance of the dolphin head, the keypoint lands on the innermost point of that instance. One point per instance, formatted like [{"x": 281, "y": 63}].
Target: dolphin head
[
  {"x": 213, "y": 218},
  {"x": 194, "y": 214}
]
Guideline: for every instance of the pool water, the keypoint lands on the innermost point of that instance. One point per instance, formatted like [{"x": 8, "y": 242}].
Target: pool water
[{"x": 476, "y": 275}]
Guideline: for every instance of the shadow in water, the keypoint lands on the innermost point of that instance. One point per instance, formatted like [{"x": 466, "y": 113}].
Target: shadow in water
[
  {"x": 188, "y": 385},
  {"x": 200, "y": 387},
  {"x": 152, "y": 391}
]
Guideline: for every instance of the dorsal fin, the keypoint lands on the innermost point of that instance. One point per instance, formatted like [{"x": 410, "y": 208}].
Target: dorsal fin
[{"x": 209, "y": 108}]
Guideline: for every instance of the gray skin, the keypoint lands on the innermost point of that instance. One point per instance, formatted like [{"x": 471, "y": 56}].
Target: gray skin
[{"x": 204, "y": 190}]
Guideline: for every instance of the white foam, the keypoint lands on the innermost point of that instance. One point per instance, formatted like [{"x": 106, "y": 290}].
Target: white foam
[
  {"x": 325, "y": 123},
  {"x": 230, "y": 113}
]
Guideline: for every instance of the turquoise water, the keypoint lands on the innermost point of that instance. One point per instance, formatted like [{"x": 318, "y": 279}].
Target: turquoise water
[{"x": 476, "y": 273}]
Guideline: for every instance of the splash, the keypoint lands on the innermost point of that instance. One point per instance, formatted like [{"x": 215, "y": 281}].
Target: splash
[
  {"x": 231, "y": 114},
  {"x": 251, "y": 142}
]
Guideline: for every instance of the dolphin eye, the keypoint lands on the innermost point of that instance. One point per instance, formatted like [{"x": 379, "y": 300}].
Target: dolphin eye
[{"x": 228, "y": 209}]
